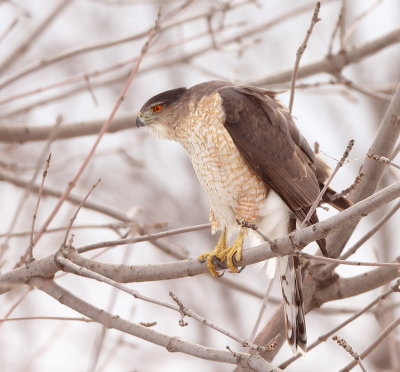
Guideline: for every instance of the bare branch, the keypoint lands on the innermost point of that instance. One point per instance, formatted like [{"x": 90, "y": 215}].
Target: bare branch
[
  {"x": 31, "y": 184},
  {"x": 329, "y": 268},
  {"x": 8, "y": 29},
  {"x": 327, "y": 183},
  {"x": 300, "y": 52},
  {"x": 282, "y": 246},
  {"x": 172, "y": 344},
  {"x": 336, "y": 62},
  {"x": 356, "y": 21},
  {"x": 103, "y": 130},
  {"x": 351, "y": 263},
  {"x": 383, "y": 159},
  {"x": 30, "y": 255},
  {"x": 143, "y": 238},
  {"x": 46, "y": 62},
  {"x": 374, "y": 344},
  {"x": 74, "y": 199},
  {"x": 86, "y": 320},
  {"x": 33, "y": 35},
  {"x": 341, "y": 342},
  {"x": 384, "y": 143},
  {"x": 77, "y": 211},
  {"x": 262, "y": 309}
]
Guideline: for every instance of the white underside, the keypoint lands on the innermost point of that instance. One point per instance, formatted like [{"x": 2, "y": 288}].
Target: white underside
[
  {"x": 273, "y": 223},
  {"x": 273, "y": 219}
]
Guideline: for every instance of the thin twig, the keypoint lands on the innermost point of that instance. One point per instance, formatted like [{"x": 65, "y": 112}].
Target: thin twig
[
  {"x": 262, "y": 310},
  {"x": 44, "y": 175},
  {"x": 284, "y": 246},
  {"x": 338, "y": 24},
  {"x": 16, "y": 304},
  {"x": 254, "y": 227},
  {"x": 72, "y": 198},
  {"x": 8, "y": 29},
  {"x": 321, "y": 194},
  {"x": 342, "y": 26},
  {"x": 79, "y": 270},
  {"x": 103, "y": 130},
  {"x": 343, "y": 343},
  {"x": 32, "y": 36},
  {"x": 353, "y": 249},
  {"x": 351, "y": 263},
  {"x": 300, "y": 52},
  {"x": 83, "y": 77},
  {"x": 383, "y": 159},
  {"x": 374, "y": 344},
  {"x": 334, "y": 63},
  {"x": 78, "y": 209},
  {"x": 349, "y": 189},
  {"x": 31, "y": 184},
  {"x": 172, "y": 344},
  {"x": 359, "y": 18},
  {"x": 155, "y": 66},
  {"x": 86, "y": 320},
  {"x": 112, "y": 226},
  {"x": 143, "y": 238},
  {"x": 46, "y": 62},
  {"x": 100, "y": 339},
  {"x": 358, "y": 88}
]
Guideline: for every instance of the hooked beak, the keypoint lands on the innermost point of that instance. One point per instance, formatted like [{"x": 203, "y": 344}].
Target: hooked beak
[{"x": 139, "y": 122}]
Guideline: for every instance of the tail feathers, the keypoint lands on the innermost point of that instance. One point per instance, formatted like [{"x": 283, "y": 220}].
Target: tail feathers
[{"x": 290, "y": 275}]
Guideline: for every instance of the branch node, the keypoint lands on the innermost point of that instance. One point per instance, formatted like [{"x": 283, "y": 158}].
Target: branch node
[
  {"x": 236, "y": 355},
  {"x": 182, "y": 309}
]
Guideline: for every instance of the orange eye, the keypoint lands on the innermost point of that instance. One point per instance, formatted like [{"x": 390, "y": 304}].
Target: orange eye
[{"x": 157, "y": 108}]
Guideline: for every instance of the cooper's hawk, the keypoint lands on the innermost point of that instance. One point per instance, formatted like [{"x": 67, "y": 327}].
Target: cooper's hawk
[{"x": 253, "y": 164}]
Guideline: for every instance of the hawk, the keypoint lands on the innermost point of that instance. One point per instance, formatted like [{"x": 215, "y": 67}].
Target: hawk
[{"x": 254, "y": 165}]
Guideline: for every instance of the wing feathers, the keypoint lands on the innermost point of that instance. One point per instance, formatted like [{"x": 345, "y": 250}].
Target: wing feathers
[
  {"x": 266, "y": 136},
  {"x": 262, "y": 131}
]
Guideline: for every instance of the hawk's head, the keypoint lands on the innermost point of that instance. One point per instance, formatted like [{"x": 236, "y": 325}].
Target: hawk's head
[{"x": 159, "y": 113}]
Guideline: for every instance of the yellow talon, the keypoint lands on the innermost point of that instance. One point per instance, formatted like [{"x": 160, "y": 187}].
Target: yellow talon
[
  {"x": 235, "y": 249},
  {"x": 222, "y": 252},
  {"x": 209, "y": 256}
]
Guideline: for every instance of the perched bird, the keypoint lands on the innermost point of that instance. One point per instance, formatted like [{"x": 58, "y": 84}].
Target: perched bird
[{"x": 254, "y": 165}]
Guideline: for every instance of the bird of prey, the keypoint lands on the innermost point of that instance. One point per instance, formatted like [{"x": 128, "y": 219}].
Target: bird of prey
[{"x": 254, "y": 165}]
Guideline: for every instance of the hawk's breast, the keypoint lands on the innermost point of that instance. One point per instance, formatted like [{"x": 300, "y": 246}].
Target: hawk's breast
[{"x": 233, "y": 189}]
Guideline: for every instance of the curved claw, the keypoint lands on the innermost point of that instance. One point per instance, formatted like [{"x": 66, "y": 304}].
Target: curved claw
[
  {"x": 242, "y": 268},
  {"x": 212, "y": 261},
  {"x": 221, "y": 253}
]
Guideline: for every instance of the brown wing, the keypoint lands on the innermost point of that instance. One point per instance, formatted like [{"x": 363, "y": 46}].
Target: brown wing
[{"x": 268, "y": 139}]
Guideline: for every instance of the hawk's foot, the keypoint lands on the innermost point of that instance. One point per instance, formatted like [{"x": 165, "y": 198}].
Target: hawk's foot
[
  {"x": 221, "y": 252},
  {"x": 212, "y": 256}
]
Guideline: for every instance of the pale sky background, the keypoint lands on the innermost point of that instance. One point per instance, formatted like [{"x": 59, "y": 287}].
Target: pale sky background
[{"x": 165, "y": 189}]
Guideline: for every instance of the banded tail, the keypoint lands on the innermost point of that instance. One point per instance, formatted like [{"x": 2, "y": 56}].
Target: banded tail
[{"x": 292, "y": 292}]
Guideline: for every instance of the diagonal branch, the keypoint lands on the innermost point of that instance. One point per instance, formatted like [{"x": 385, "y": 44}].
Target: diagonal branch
[
  {"x": 383, "y": 145},
  {"x": 33, "y": 35},
  {"x": 172, "y": 344},
  {"x": 106, "y": 125},
  {"x": 334, "y": 63}
]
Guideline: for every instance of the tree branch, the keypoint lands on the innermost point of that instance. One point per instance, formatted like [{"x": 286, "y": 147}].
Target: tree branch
[
  {"x": 26, "y": 133},
  {"x": 334, "y": 63},
  {"x": 383, "y": 145},
  {"x": 283, "y": 246},
  {"x": 172, "y": 344}
]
